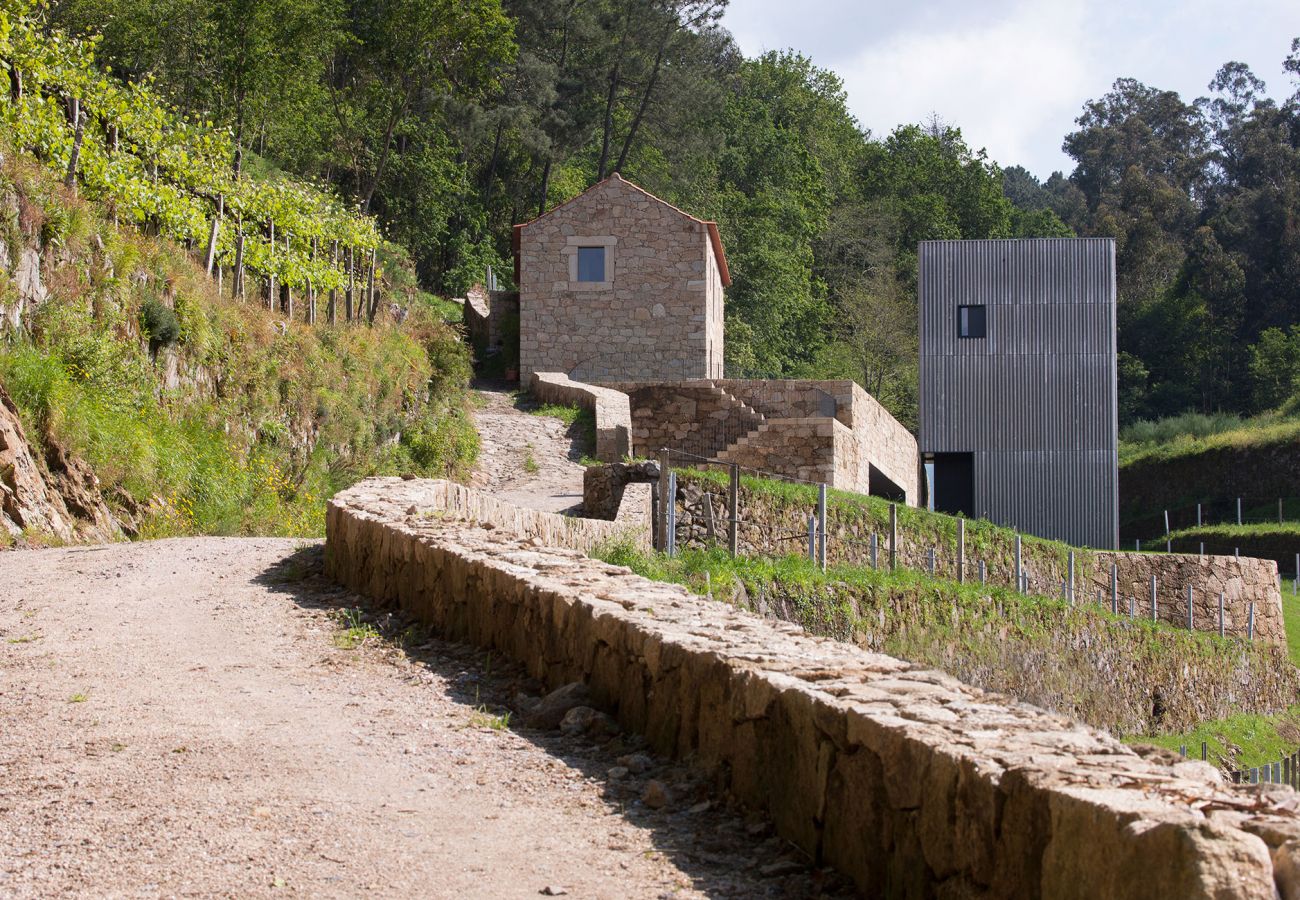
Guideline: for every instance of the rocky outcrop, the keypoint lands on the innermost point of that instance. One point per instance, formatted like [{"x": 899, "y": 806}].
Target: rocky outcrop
[
  {"x": 59, "y": 499},
  {"x": 909, "y": 781}
]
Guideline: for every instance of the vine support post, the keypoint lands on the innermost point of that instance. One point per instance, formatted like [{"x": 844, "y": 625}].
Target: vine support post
[
  {"x": 348, "y": 294},
  {"x": 237, "y": 279},
  {"x": 210, "y": 255},
  {"x": 270, "y": 274},
  {"x": 286, "y": 290},
  {"x": 372, "y": 301},
  {"x": 332, "y": 308},
  {"x": 79, "y": 135},
  {"x": 311, "y": 290}
]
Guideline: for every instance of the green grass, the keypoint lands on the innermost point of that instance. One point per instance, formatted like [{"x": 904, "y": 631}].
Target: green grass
[
  {"x": 1080, "y": 660},
  {"x": 579, "y": 421},
  {"x": 263, "y": 424},
  {"x": 354, "y": 630},
  {"x": 446, "y": 310},
  {"x": 482, "y": 717},
  {"x": 1164, "y": 444},
  {"x": 1291, "y": 619},
  {"x": 1241, "y": 741}
]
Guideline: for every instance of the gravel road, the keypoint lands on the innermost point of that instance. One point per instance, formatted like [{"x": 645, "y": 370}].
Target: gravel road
[{"x": 190, "y": 718}]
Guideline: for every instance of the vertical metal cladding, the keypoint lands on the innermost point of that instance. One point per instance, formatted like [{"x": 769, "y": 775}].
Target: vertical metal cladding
[{"x": 1035, "y": 399}]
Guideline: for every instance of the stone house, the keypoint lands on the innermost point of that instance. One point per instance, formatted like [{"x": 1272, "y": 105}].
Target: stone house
[{"x": 618, "y": 285}]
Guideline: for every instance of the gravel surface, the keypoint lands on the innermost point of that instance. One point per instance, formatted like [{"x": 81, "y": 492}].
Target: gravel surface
[
  {"x": 195, "y": 718},
  {"x": 526, "y": 459}
]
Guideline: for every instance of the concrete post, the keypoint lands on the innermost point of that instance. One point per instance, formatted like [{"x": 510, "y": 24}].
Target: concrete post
[
  {"x": 893, "y": 537},
  {"x": 821, "y": 525},
  {"x": 961, "y": 551},
  {"x": 733, "y": 507},
  {"x": 663, "y": 501}
]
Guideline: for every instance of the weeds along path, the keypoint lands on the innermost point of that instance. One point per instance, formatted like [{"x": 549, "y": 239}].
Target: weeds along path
[
  {"x": 201, "y": 717},
  {"x": 527, "y": 459}
]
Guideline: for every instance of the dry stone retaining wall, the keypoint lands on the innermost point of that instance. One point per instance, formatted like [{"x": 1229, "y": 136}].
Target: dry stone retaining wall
[
  {"x": 772, "y": 525},
  {"x": 610, "y": 409},
  {"x": 909, "y": 781}
]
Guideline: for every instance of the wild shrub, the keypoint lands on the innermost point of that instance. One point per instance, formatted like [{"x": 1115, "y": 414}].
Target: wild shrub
[{"x": 159, "y": 324}]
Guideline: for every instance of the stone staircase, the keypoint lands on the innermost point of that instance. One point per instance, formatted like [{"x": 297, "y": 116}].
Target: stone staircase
[
  {"x": 700, "y": 418},
  {"x": 798, "y": 448}
]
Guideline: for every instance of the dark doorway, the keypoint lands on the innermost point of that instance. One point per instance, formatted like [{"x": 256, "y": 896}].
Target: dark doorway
[{"x": 954, "y": 483}]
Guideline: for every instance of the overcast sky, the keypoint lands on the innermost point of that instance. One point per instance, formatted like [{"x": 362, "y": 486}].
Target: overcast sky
[{"x": 1014, "y": 75}]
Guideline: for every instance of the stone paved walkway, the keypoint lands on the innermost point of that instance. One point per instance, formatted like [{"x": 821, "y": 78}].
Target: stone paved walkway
[{"x": 526, "y": 459}]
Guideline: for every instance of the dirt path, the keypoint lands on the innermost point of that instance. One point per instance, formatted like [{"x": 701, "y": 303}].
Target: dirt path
[
  {"x": 179, "y": 718},
  {"x": 527, "y": 459}
]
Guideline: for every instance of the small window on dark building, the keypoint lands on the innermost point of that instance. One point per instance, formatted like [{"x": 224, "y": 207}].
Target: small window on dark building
[
  {"x": 591, "y": 263},
  {"x": 970, "y": 321}
]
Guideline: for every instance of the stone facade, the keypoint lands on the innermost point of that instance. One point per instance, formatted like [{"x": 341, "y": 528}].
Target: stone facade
[
  {"x": 819, "y": 431},
  {"x": 658, "y": 312},
  {"x": 907, "y": 780},
  {"x": 610, "y": 409},
  {"x": 491, "y": 319}
]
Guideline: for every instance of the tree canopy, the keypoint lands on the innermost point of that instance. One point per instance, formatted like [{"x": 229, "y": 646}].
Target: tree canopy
[{"x": 452, "y": 120}]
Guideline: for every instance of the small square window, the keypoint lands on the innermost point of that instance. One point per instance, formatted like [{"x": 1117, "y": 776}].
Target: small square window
[
  {"x": 970, "y": 321},
  {"x": 591, "y": 263}
]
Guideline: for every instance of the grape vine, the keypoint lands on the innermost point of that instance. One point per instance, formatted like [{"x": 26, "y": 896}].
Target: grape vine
[{"x": 154, "y": 168}]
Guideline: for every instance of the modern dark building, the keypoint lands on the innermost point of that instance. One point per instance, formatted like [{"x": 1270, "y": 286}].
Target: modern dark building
[{"x": 1018, "y": 413}]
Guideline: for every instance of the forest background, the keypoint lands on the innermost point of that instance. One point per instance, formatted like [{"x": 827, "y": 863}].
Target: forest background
[{"x": 452, "y": 120}]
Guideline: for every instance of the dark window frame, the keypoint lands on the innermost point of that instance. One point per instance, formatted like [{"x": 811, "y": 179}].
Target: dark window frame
[
  {"x": 604, "y": 265},
  {"x": 972, "y": 326}
]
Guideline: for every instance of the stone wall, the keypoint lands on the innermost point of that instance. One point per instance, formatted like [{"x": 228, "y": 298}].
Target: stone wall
[
  {"x": 657, "y": 314},
  {"x": 610, "y": 409},
  {"x": 824, "y": 431},
  {"x": 449, "y": 502},
  {"x": 490, "y": 319},
  {"x": 907, "y": 780},
  {"x": 878, "y": 440},
  {"x": 776, "y": 524},
  {"x": 692, "y": 416}
]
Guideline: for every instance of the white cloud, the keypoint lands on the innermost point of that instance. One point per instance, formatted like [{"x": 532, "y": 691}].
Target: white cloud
[
  {"x": 1005, "y": 83},
  {"x": 1014, "y": 74}
]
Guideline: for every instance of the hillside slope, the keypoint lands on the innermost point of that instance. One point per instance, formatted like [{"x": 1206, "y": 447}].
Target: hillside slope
[
  {"x": 139, "y": 400},
  {"x": 1257, "y": 461}
]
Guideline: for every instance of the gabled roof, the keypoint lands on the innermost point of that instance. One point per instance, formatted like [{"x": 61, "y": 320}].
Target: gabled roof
[{"x": 714, "y": 238}]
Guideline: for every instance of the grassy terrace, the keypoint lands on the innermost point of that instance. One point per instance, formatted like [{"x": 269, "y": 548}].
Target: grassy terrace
[
  {"x": 983, "y": 538},
  {"x": 1241, "y": 741},
  {"x": 1192, "y": 435},
  {"x": 1079, "y": 660}
]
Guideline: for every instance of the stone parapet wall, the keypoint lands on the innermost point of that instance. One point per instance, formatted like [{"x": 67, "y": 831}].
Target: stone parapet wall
[
  {"x": 772, "y": 525},
  {"x": 485, "y": 316},
  {"x": 907, "y": 780},
  {"x": 609, "y": 407},
  {"x": 449, "y": 502},
  {"x": 692, "y": 416},
  {"x": 879, "y": 439}
]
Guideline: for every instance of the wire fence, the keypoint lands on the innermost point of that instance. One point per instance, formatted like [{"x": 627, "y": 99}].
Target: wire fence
[
  {"x": 703, "y": 525},
  {"x": 1150, "y": 527}
]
